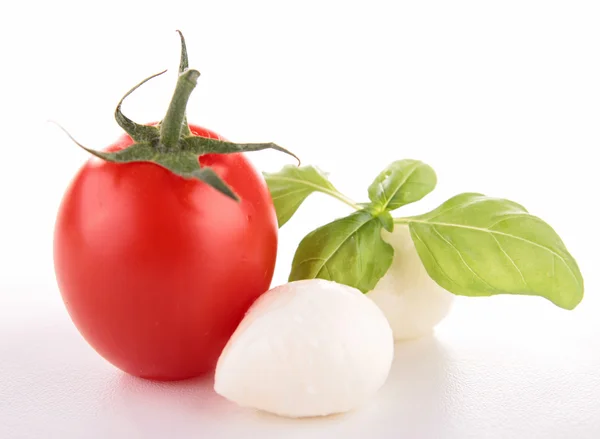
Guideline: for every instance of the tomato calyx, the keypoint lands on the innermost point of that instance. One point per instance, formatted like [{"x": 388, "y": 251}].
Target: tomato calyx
[{"x": 170, "y": 143}]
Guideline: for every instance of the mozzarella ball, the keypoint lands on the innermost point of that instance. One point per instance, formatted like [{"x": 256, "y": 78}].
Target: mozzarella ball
[
  {"x": 412, "y": 302},
  {"x": 307, "y": 348}
]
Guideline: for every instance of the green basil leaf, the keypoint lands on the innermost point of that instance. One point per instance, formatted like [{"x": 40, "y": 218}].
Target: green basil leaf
[
  {"x": 474, "y": 245},
  {"x": 349, "y": 251},
  {"x": 402, "y": 182},
  {"x": 290, "y": 187}
]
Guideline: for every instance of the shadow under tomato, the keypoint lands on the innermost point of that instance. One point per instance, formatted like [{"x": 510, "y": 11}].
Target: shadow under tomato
[{"x": 184, "y": 395}]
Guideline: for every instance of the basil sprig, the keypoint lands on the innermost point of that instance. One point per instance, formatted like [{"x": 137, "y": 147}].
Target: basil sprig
[{"x": 472, "y": 245}]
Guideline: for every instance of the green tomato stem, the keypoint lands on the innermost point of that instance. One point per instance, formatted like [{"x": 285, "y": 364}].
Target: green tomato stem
[
  {"x": 183, "y": 66},
  {"x": 183, "y": 62},
  {"x": 139, "y": 133},
  {"x": 170, "y": 128}
]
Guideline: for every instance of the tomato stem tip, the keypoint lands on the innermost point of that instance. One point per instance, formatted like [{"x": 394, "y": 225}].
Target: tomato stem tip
[{"x": 170, "y": 128}]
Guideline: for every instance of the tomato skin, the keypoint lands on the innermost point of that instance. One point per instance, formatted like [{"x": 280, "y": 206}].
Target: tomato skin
[{"x": 157, "y": 271}]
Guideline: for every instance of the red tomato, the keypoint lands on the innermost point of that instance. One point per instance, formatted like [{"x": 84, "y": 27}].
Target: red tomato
[{"x": 157, "y": 271}]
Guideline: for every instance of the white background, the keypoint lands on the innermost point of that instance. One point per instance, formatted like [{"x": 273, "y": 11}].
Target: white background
[{"x": 499, "y": 97}]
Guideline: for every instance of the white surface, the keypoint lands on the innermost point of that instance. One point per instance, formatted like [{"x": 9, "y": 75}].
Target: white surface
[
  {"x": 497, "y": 369},
  {"x": 499, "y": 97}
]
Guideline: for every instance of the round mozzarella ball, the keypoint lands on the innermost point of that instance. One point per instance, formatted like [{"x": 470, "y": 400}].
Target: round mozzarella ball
[
  {"x": 307, "y": 348},
  {"x": 412, "y": 302}
]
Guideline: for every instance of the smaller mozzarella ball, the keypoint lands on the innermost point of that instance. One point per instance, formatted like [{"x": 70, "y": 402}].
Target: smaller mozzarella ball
[
  {"x": 307, "y": 348},
  {"x": 412, "y": 302}
]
